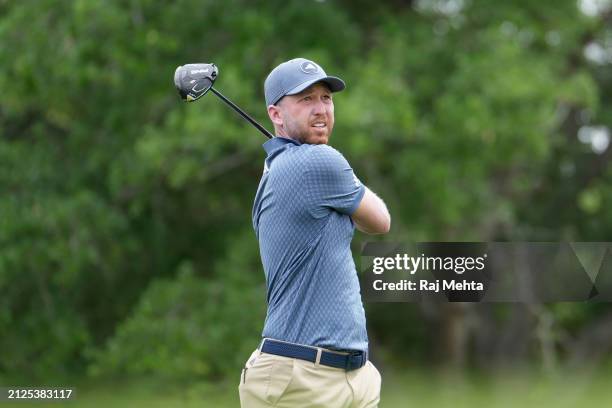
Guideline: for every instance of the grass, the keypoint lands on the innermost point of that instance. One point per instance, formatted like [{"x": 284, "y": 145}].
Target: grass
[
  {"x": 407, "y": 389},
  {"x": 499, "y": 391},
  {"x": 136, "y": 393}
]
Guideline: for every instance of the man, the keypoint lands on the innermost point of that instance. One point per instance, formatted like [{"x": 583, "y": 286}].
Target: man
[{"x": 315, "y": 346}]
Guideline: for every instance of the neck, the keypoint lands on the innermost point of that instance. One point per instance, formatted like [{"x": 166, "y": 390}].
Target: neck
[{"x": 279, "y": 131}]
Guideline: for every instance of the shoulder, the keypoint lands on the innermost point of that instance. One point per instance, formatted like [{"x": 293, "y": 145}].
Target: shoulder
[{"x": 324, "y": 157}]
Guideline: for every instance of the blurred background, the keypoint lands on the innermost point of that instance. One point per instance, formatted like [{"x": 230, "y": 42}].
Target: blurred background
[{"x": 129, "y": 268}]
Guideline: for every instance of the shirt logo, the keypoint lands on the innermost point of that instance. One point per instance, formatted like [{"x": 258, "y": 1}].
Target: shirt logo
[{"x": 309, "y": 67}]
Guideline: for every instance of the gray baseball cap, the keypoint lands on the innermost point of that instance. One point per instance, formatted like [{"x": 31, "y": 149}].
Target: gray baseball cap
[{"x": 293, "y": 76}]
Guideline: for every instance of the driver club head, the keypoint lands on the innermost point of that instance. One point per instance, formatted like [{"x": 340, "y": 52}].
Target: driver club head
[{"x": 194, "y": 80}]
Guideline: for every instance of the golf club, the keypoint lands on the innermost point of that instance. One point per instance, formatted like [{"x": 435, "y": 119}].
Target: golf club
[{"x": 194, "y": 80}]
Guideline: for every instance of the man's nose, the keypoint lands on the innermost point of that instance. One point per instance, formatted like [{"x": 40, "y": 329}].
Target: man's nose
[{"x": 318, "y": 107}]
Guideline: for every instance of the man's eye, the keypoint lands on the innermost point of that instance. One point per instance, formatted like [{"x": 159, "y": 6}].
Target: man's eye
[
  {"x": 307, "y": 98},
  {"x": 327, "y": 97}
]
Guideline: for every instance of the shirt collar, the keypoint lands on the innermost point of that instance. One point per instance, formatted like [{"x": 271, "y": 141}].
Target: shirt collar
[{"x": 278, "y": 142}]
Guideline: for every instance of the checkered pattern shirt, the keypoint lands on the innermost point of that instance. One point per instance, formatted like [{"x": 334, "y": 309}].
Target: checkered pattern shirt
[{"x": 301, "y": 217}]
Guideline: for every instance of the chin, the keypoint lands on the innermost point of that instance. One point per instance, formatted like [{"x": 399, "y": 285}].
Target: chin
[{"x": 317, "y": 139}]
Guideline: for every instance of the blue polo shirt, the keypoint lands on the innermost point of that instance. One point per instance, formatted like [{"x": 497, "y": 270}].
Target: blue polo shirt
[{"x": 302, "y": 220}]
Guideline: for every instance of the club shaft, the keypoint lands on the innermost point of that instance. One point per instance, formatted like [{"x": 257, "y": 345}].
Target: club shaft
[{"x": 243, "y": 114}]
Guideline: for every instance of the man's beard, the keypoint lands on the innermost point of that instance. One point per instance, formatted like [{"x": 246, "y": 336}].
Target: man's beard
[
  {"x": 297, "y": 132},
  {"x": 302, "y": 133}
]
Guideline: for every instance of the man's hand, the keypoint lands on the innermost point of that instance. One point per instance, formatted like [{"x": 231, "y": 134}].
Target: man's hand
[{"x": 372, "y": 216}]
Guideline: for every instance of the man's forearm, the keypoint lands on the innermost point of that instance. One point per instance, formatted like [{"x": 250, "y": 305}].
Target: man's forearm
[{"x": 372, "y": 215}]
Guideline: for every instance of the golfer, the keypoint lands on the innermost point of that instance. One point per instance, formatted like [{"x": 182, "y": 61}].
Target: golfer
[{"x": 314, "y": 351}]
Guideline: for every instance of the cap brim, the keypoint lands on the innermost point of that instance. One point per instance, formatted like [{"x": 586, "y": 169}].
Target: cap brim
[{"x": 335, "y": 84}]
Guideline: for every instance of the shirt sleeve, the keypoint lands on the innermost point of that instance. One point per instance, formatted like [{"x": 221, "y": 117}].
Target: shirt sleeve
[{"x": 331, "y": 183}]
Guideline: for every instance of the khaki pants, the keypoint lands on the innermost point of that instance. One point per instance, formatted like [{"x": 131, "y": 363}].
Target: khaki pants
[{"x": 268, "y": 380}]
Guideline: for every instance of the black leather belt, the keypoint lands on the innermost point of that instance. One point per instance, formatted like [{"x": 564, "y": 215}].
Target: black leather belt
[{"x": 349, "y": 360}]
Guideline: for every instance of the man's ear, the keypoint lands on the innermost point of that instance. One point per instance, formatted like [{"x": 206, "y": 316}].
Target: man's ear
[{"x": 275, "y": 115}]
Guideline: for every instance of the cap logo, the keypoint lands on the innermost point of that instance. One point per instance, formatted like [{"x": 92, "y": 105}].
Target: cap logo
[{"x": 309, "y": 67}]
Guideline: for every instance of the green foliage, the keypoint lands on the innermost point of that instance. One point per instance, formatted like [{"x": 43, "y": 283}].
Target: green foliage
[
  {"x": 191, "y": 327},
  {"x": 125, "y": 237},
  {"x": 59, "y": 261}
]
